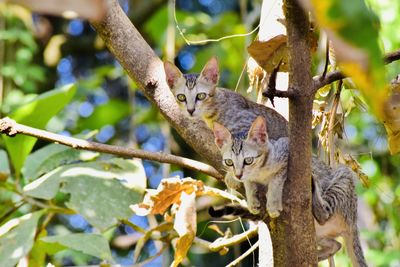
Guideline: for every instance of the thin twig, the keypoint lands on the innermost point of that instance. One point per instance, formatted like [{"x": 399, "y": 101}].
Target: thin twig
[
  {"x": 320, "y": 81},
  {"x": 244, "y": 255},
  {"x": 222, "y": 242},
  {"x": 11, "y": 128}
]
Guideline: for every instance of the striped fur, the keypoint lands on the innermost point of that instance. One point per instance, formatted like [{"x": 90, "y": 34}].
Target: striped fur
[
  {"x": 221, "y": 105},
  {"x": 267, "y": 167}
]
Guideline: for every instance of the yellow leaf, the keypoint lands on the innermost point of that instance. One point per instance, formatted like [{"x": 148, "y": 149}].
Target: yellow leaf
[
  {"x": 268, "y": 54},
  {"x": 392, "y": 117},
  {"x": 52, "y": 52},
  {"x": 185, "y": 225},
  {"x": 168, "y": 192}
]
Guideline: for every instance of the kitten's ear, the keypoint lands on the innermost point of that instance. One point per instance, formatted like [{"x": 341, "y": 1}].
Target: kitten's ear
[
  {"x": 172, "y": 74},
  {"x": 258, "y": 131},
  {"x": 210, "y": 72},
  {"x": 221, "y": 134}
]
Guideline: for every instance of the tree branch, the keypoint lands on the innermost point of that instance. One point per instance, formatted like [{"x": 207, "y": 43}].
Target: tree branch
[
  {"x": 320, "y": 81},
  {"x": 146, "y": 69},
  {"x": 11, "y": 128}
]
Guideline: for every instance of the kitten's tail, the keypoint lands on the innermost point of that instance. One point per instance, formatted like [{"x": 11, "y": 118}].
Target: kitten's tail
[
  {"x": 353, "y": 247},
  {"x": 232, "y": 210}
]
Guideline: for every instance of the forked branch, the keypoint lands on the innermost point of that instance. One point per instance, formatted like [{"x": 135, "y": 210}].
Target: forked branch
[{"x": 322, "y": 80}]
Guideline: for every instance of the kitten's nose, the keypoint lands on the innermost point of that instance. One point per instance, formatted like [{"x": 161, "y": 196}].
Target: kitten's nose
[
  {"x": 239, "y": 175},
  {"x": 190, "y": 111}
]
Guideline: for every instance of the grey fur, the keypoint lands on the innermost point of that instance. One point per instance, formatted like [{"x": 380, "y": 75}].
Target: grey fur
[{"x": 221, "y": 105}]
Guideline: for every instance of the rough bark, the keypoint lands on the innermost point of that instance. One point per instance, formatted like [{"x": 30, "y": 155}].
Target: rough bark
[
  {"x": 146, "y": 69},
  {"x": 294, "y": 234}
]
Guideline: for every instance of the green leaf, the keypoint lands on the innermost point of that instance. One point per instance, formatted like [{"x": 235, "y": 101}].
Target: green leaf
[
  {"x": 16, "y": 238},
  {"x": 4, "y": 166},
  {"x": 52, "y": 156},
  {"x": 92, "y": 244},
  {"x": 37, "y": 256},
  {"x": 107, "y": 114},
  {"x": 36, "y": 114},
  {"x": 99, "y": 191},
  {"x": 353, "y": 29}
]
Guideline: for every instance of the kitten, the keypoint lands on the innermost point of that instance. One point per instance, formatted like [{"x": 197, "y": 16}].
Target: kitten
[
  {"x": 259, "y": 162},
  {"x": 199, "y": 98},
  {"x": 255, "y": 160},
  {"x": 335, "y": 211}
]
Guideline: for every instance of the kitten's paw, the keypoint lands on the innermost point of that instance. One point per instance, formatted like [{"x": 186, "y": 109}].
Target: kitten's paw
[
  {"x": 232, "y": 183},
  {"x": 274, "y": 213},
  {"x": 255, "y": 208},
  {"x": 274, "y": 209}
]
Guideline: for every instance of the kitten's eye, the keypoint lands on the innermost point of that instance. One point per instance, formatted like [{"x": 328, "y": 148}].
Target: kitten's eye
[
  {"x": 248, "y": 160},
  {"x": 228, "y": 162},
  {"x": 181, "y": 97},
  {"x": 201, "y": 96}
]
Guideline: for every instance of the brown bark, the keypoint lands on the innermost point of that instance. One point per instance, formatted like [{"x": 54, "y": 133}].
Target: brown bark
[
  {"x": 294, "y": 234},
  {"x": 146, "y": 69},
  {"x": 11, "y": 128}
]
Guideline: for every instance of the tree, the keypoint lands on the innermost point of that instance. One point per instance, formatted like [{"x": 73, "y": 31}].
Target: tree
[{"x": 294, "y": 231}]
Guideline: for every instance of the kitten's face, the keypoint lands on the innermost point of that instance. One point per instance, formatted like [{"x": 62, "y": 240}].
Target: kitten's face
[
  {"x": 243, "y": 157},
  {"x": 191, "y": 91}
]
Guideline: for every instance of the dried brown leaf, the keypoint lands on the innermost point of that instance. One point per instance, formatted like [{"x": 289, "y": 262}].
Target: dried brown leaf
[
  {"x": 355, "y": 166},
  {"x": 168, "y": 192},
  {"x": 392, "y": 117},
  {"x": 185, "y": 225},
  {"x": 215, "y": 227},
  {"x": 268, "y": 54}
]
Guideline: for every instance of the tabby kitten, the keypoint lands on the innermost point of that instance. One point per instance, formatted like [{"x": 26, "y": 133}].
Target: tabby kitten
[
  {"x": 200, "y": 98},
  {"x": 255, "y": 160},
  {"x": 335, "y": 211}
]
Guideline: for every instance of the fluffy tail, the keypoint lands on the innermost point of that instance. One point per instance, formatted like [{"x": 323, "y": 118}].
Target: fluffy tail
[
  {"x": 353, "y": 247},
  {"x": 233, "y": 210}
]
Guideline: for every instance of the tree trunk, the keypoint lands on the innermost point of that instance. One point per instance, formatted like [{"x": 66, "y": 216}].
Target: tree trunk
[{"x": 294, "y": 234}]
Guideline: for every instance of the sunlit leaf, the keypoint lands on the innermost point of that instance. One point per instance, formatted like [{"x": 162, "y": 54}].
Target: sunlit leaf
[
  {"x": 392, "y": 117},
  {"x": 91, "y": 244},
  {"x": 185, "y": 225},
  {"x": 37, "y": 256},
  {"x": 168, "y": 192},
  {"x": 35, "y": 114},
  {"x": 353, "y": 31},
  {"x": 268, "y": 54},
  {"x": 52, "y": 156},
  {"x": 16, "y": 238},
  {"x": 99, "y": 191},
  {"x": 52, "y": 52}
]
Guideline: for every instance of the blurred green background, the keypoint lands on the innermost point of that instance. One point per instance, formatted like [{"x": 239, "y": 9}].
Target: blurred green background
[{"x": 39, "y": 53}]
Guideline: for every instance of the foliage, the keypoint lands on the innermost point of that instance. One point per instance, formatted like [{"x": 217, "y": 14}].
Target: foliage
[{"x": 68, "y": 207}]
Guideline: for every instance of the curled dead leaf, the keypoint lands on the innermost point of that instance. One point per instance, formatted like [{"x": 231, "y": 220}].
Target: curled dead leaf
[
  {"x": 355, "y": 166},
  {"x": 185, "y": 225},
  {"x": 392, "y": 117},
  {"x": 268, "y": 54},
  {"x": 168, "y": 192}
]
